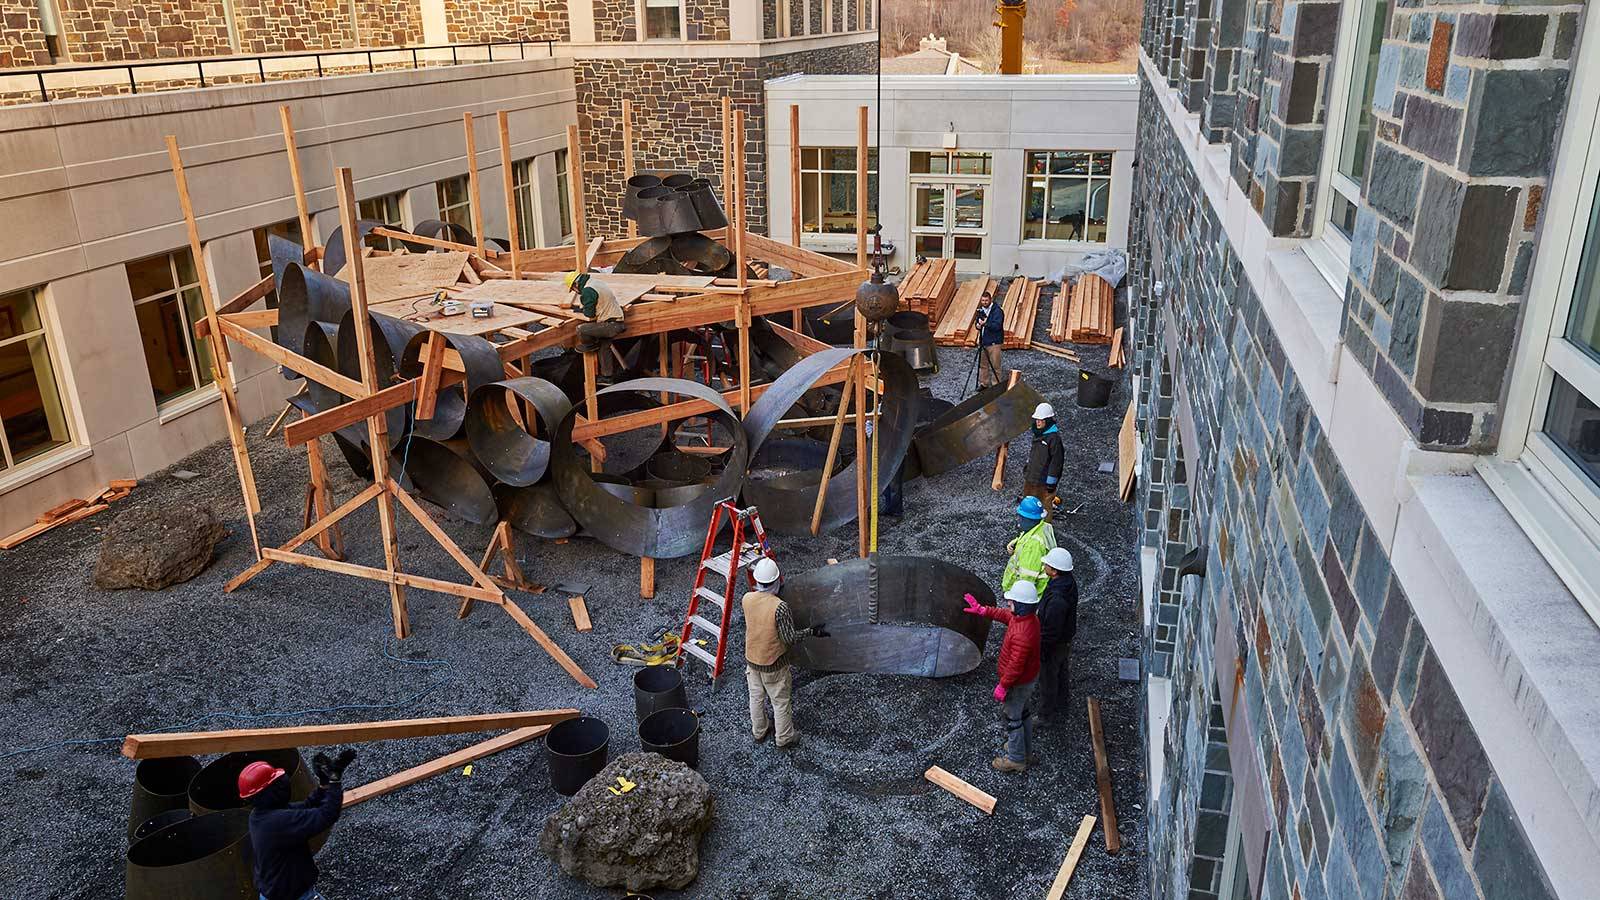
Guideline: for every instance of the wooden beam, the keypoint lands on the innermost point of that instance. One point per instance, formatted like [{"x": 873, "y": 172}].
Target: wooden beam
[
  {"x": 647, "y": 577},
  {"x": 474, "y": 195},
  {"x": 311, "y": 531},
  {"x": 438, "y": 243},
  {"x": 302, "y": 210},
  {"x": 508, "y": 182},
  {"x": 1102, "y": 777},
  {"x": 593, "y": 251},
  {"x": 999, "y": 478},
  {"x": 1058, "y": 888},
  {"x": 861, "y": 187},
  {"x": 627, "y": 155},
  {"x": 443, "y": 764},
  {"x": 192, "y": 743},
  {"x": 290, "y": 360},
  {"x": 220, "y": 368},
  {"x": 580, "y": 613},
  {"x": 384, "y": 576},
  {"x": 961, "y": 789},
  {"x": 739, "y": 226},
  {"x": 575, "y": 188},
  {"x": 845, "y": 396},
  {"x": 727, "y": 152},
  {"x": 432, "y": 366},
  {"x": 794, "y": 189},
  {"x": 550, "y": 647}
]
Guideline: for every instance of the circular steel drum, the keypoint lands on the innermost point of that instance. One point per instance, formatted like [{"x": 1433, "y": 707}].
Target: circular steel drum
[
  {"x": 536, "y": 510},
  {"x": 510, "y": 452},
  {"x": 447, "y": 475},
  {"x": 389, "y": 339},
  {"x": 482, "y": 362},
  {"x": 306, "y": 296},
  {"x": 649, "y": 210},
  {"x": 630, "y": 197},
  {"x": 975, "y": 427},
  {"x": 216, "y": 786},
  {"x": 159, "y": 786},
  {"x": 207, "y": 857}
]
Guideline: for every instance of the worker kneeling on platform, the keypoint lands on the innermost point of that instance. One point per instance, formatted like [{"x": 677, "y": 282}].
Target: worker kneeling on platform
[
  {"x": 601, "y": 308},
  {"x": 281, "y": 832},
  {"x": 1019, "y": 669},
  {"x": 769, "y": 632}
]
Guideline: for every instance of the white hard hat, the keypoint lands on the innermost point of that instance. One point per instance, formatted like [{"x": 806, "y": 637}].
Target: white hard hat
[
  {"x": 766, "y": 571},
  {"x": 1023, "y": 592},
  {"x": 1044, "y": 411},
  {"x": 1059, "y": 558}
]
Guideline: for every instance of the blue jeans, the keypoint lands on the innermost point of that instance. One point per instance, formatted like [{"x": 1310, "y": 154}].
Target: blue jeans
[{"x": 1019, "y": 722}]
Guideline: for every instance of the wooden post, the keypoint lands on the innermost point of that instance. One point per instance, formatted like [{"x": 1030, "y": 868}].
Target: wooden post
[
  {"x": 727, "y": 150},
  {"x": 862, "y": 488},
  {"x": 1102, "y": 774},
  {"x": 647, "y": 577},
  {"x": 511, "y": 196},
  {"x": 472, "y": 184},
  {"x": 219, "y": 351},
  {"x": 861, "y": 188},
  {"x": 331, "y": 541},
  {"x": 739, "y": 205},
  {"x": 575, "y": 188},
  {"x": 845, "y": 393},
  {"x": 307, "y": 240},
  {"x": 627, "y": 154},
  {"x": 591, "y": 407},
  {"x": 794, "y": 191},
  {"x": 377, "y": 425},
  {"x": 1005, "y": 449}
]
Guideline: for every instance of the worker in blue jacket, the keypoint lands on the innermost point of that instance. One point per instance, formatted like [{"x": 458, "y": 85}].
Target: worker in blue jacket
[
  {"x": 991, "y": 324},
  {"x": 281, "y": 832}
]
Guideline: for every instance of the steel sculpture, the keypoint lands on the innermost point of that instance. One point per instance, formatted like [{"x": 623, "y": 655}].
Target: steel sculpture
[
  {"x": 975, "y": 426},
  {"x": 511, "y": 451}
]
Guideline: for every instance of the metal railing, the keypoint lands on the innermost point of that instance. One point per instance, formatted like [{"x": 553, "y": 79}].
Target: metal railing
[{"x": 432, "y": 52}]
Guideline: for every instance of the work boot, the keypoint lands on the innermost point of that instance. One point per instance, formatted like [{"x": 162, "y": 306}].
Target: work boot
[
  {"x": 758, "y": 738},
  {"x": 1004, "y": 764},
  {"x": 785, "y": 745}
]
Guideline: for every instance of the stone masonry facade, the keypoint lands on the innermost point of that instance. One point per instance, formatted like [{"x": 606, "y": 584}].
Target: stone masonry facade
[
  {"x": 22, "y": 41},
  {"x": 1369, "y": 782},
  {"x": 681, "y": 128},
  {"x": 506, "y": 20}
]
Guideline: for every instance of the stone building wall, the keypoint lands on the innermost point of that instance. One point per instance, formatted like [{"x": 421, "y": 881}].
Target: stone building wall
[
  {"x": 680, "y": 130},
  {"x": 506, "y": 20},
  {"x": 1371, "y": 782},
  {"x": 104, "y": 30},
  {"x": 797, "y": 17},
  {"x": 707, "y": 20},
  {"x": 21, "y": 37},
  {"x": 769, "y": 18},
  {"x": 815, "y": 16},
  {"x": 615, "y": 20}
]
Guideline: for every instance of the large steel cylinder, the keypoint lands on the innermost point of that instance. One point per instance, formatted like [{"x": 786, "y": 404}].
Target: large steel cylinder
[
  {"x": 204, "y": 858},
  {"x": 576, "y": 750},
  {"x": 649, "y": 207},
  {"x": 677, "y": 213},
  {"x": 630, "y": 198},
  {"x": 656, "y": 688},
  {"x": 160, "y": 785},
  {"x": 216, "y": 787},
  {"x": 706, "y": 205},
  {"x": 673, "y": 733}
]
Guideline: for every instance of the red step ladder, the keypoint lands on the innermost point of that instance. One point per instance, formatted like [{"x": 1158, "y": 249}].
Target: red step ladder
[{"x": 749, "y": 546}]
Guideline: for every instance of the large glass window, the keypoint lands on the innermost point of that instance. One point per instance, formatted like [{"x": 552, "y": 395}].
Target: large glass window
[
  {"x": 663, "y": 20},
  {"x": 563, "y": 194},
  {"x": 949, "y": 162},
  {"x": 167, "y": 303},
  {"x": 385, "y": 209},
  {"x": 289, "y": 231},
  {"x": 1353, "y": 136},
  {"x": 828, "y": 189},
  {"x": 455, "y": 201},
  {"x": 32, "y": 419},
  {"x": 1572, "y": 419},
  {"x": 1066, "y": 195},
  {"x": 522, "y": 194}
]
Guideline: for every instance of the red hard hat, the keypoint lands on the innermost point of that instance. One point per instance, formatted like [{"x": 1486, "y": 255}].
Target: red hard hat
[{"x": 255, "y": 778}]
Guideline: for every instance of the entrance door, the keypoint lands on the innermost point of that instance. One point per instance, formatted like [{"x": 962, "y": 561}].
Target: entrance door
[{"x": 950, "y": 207}]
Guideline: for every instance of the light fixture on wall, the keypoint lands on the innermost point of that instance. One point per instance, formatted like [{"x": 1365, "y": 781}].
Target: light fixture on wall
[{"x": 1193, "y": 562}]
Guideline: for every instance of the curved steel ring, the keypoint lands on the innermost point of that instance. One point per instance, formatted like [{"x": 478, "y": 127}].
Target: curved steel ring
[
  {"x": 482, "y": 362},
  {"x": 788, "y": 510},
  {"x": 389, "y": 339},
  {"x": 536, "y": 510},
  {"x": 446, "y": 473},
  {"x": 665, "y": 531},
  {"x": 878, "y": 611},
  {"x": 975, "y": 427},
  {"x": 306, "y": 296},
  {"x": 510, "y": 452},
  {"x": 333, "y": 248}
]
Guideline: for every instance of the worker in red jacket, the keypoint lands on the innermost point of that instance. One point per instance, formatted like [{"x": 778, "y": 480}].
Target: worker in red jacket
[{"x": 1019, "y": 669}]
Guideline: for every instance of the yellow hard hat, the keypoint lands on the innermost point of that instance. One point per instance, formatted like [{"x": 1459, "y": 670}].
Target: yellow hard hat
[{"x": 571, "y": 277}]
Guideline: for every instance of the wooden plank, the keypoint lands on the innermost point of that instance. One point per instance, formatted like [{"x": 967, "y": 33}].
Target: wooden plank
[
  {"x": 302, "y": 210},
  {"x": 474, "y": 195},
  {"x": 550, "y": 646},
  {"x": 406, "y": 275},
  {"x": 580, "y": 236},
  {"x": 311, "y": 531},
  {"x": 59, "y": 510},
  {"x": 191, "y": 743},
  {"x": 359, "y": 410},
  {"x": 395, "y": 578},
  {"x": 1102, "y": 776},
  {"x": 1061, "y": 352},
  {"x": 627, "y": 154},
  {"x": 290, "y": 360},
  {"x": 32, "y": 531},
  {"x": 1126, "y": 461},
  {"x": 1058, "y": 888},
  {"x": 432, "y": 366},
  {"x": 845, "y": 396},
  {"x": 443, "y": 764},
  {"x": 647, "y": 578},
  {"x": 580, "y": 613},
  {"x": 434, "y": 319},
  {"x": 961, "y": 789},
  {"x": 437, "y": 243}
]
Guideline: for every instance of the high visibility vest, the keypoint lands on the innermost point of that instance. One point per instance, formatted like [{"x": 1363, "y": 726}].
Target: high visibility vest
[{"x": 1027, "y": 558}]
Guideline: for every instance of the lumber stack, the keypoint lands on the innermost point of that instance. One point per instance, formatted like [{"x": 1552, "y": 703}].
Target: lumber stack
[
  {"x": 929, "y": 287},
  {"x": 955, "y": 327},
  {"x": 1089, "y": 316},
  {"x": 74, "y": 510},
  {"x": 1021, "y": 308}
]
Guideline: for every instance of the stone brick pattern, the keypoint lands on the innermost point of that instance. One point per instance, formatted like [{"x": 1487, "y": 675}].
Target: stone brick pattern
[
  {"x": 1220, "y": 76},
  {"x": 21, "y": 37},
  {"x": 707, "y": 20},
  {"x": 769, "y": 18},
  {"x": 506, "y": 20},
  {"x": 615, "y": 20},
  {"x": 1467, "y": 108},
  {"x": 797, "y": 17},
  {"x": 681, "y": 129},
  {"x": 385, "y": 23},
  {"x": 105, "y": 30},
  {"x": 837, "y": 19},
  {"x": 1196, "y": 40},
  {"x": 814, "y": 14},
  {"x": 1375, "y": 783}
]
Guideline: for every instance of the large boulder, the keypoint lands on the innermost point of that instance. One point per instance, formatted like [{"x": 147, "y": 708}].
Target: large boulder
[
  {"x": 646, "y": 838},
  {"x": 151, "y": 547}
]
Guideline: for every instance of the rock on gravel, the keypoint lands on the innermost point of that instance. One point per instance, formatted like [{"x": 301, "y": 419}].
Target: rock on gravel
[
  {"x": 152, "y": 547},
  {"x": 646, "y": 838}
]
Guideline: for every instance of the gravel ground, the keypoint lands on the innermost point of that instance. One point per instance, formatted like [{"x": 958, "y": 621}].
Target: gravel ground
[{"x": 846, "y": 814}]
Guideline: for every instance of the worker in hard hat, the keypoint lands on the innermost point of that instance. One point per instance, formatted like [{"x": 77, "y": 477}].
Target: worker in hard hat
[
  {"x": 1045, "y": 456},
  {"x": 1036, "y": 538},
  {"x": 601, "y": 308},
  {"x": 769, "y": 632},
  {"x": 1018, "y": 667},
  {"x": 1058, "y": 623},
  {"x": 281, "y": 831}
]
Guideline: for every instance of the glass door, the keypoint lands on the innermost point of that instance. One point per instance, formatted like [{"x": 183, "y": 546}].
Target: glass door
[{"x": 950, "y": 207}]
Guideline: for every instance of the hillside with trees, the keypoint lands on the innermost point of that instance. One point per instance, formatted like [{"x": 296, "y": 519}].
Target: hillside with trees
[{"x": 1060, "y": 35}]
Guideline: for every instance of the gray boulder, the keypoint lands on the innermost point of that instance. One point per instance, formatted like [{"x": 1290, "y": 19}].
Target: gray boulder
[
  {"x": 646, "y": 838},
  {"x": 151, "y": 547}
]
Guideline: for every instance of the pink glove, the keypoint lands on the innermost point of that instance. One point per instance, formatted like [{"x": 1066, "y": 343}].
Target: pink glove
[
  {"x": 973, "y": 606},
  {"x": 1000, "y": 693}
]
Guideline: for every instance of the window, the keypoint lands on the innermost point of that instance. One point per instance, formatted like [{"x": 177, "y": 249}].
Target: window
[
  {"x": 289, "y": 231},
  {"x": 1351, "y": 142},
  {"x": 385, "y": 209},
  {"x": 1571, "y": 420},
  {"x": 522, "y": 194},
  {"x": 1066, "y": 195},
  {"x": 828, "y": 189},
  {"x": 663, "y": 20},
  {"x": 949, "y": 162},
  {"x": 455, "y": 202},
  {"x": 32, "y": 419},
  {"x": 563, "y": 194},
  {"x": 166, "y": 303}
]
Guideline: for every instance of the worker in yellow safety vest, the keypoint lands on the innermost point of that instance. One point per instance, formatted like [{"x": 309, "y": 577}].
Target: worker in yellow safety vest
[{"x": 1028, "y": 548}]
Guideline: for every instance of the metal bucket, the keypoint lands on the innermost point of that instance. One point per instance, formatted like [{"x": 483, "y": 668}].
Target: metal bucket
[
  {"x": 160, "y": 785},
  {"x": 677, "y": 213},
  {"x": 649, "y": 207},
  {"x": 1094, "y": 391},
  {"x": 630, "y": 199},
  {"x": 203, "y": 858},
  {"x": 673, "y": 733},
  {"x": 706, "y": 205},
  {"x": 906, "y": 318},
  {"x": 216, "y": 787},
  {"x": 576, "y": 750},
  {"x": 159, "y": 821},
  {"x": 677, "y": 180},
  {"x": 656, "y": 688}
]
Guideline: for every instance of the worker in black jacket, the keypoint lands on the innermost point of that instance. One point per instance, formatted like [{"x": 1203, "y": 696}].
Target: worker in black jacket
[
  {"x": 1058, "y": 622},
  {"x": 281, "y": 831},
  {"x": 991, "y": 323},
  {"x": 1045, "y": 456}
]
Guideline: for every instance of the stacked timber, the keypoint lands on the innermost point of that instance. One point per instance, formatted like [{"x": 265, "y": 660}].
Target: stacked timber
[
  {"x": 929, "y": 287},
  {"x": 1021, "y": 306},
  {"x": 955, "y": 326},
  {"x": 74, "y": 510},
  {"x": 1090, "y": 315}
]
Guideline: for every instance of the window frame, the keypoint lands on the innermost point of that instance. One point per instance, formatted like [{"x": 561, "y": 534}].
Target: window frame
[
  {"x": 399, "y": 198},
  {"x": 564, "y": 192},
  {"x": 190, "y": 340},
  {"x": 525, "y": 201},
  {"x": 819, "y": 171},
  {"x": 440, "y": 191},
  {"x": 1328, "y": 248},
  {"x": 9, "y": 464},
  {"x": 641, "y": 12},
  {"x": 1091, "y": 177}
]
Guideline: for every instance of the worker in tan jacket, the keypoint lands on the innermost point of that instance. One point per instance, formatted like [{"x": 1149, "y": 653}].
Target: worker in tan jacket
[{"x": 769, "y": 632}]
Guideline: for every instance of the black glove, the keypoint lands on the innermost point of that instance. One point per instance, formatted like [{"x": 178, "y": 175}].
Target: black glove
[
  {"x": 322, "y": 767},
  {"x": 339, "y": 764},
  {"x": 819, "y": 630}
]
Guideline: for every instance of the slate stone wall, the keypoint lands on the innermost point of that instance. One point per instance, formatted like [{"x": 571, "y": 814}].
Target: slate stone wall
[
  {"x": 21, "y": 37},
  {"x": 506, "y": 20},
  {"x": 1374, "y": 783}
]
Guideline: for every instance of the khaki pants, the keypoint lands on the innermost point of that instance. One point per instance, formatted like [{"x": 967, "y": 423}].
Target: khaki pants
[
  {"x": 777, "y": 687},
  {"x": 989, "y": 366}
]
